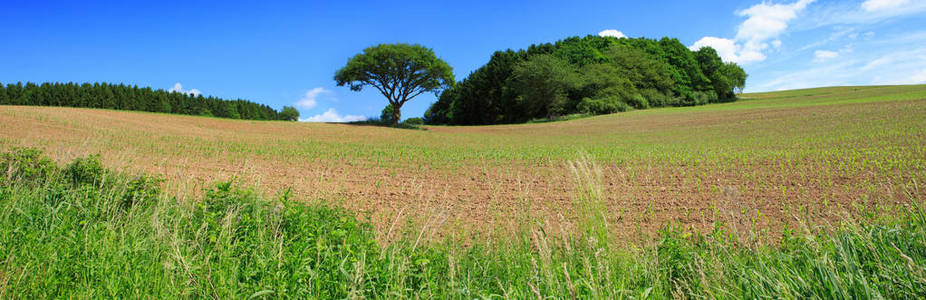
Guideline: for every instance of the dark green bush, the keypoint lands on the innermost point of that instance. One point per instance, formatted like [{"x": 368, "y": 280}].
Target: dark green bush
[
  {"x": 604, "y": 105},
  {"x": 86, "y": 170},
  {"x": 638, "y": 101},
  {"x": 414, "y": 121},
  {"x": 656, "y": 98},
  {"x": 28, "y": 165},
  {"x": 141, "y": 189},
  {"x": 386, "y": 115}
]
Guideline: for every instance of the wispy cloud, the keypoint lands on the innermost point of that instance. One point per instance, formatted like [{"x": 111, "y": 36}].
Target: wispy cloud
[
  {"x": 612, "y": 32},
  {"x": 764, "y": 23},
  {"x": 878, "y": 5},
  {"x": 310, "y": 99},
  {"x": 178, "y": 88},
  {"x": 824, "y": 55},
  {"x": 803, "y": 43},
  {"x": 868, "y": 12},
  {"x": 832, "y": 74},
  {"x": 332, "y": 116},
  {"x": 892, "y": 67}
]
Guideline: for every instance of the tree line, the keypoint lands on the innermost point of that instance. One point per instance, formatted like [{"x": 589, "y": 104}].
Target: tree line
[
  {"x": 591, "y": 75},
  {"x": 124, "y": 97}
]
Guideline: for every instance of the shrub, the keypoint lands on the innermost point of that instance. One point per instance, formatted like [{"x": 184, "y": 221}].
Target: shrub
[
  {"x": 638, "y": 101},
  {"x": 141, "y": 190},
  {"x": 604, "y": 105},
  {"x": 85, "y": 171},
  {"x": 386, "y": 116},
  {"x": 414, "y": 121},
  {"x": 25, "y": 165},
  {"x": 656, "y": 98}
]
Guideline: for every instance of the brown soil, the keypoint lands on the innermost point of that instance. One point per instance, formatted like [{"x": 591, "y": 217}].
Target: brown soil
[{"x": 754, "y": 195}]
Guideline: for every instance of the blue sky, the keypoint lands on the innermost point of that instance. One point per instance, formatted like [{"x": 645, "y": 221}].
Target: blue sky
[{"x": 286, "y": 53}]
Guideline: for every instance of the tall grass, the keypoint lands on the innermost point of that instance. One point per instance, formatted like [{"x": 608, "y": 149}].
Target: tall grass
[{"x": 81, "y": 231}]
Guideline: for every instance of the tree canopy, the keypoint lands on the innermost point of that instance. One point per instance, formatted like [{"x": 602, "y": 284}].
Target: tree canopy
[
  {"x": 124, "y": 97},
  {"x": 590, "y": 75},
  {"x": 399, "y": 71},
  {"x": 541, "y": 84}
]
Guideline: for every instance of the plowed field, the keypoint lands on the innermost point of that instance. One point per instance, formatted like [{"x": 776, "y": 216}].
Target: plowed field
[{"x": 766, "y": 161}]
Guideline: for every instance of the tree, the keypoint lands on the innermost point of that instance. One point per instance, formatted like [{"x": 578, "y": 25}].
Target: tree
[
  {"x": 399, "y": 71},
  {"x": 3, "y": 98},
  {"x": 289, "y": 113},
  {"x": 542, "y": 84},
  {"x": 388, "y": 115},
  {"x": 636, "y": 72},
  {"x": 736, "y": 75}
]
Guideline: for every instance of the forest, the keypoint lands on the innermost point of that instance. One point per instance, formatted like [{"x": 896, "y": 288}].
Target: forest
[
  {"x": 590, "y": 75},
  {"x": 124, "y": 97}
]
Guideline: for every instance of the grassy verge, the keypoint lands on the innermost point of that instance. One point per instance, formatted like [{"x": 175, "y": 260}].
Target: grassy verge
[{"x": 81, "y": 231}]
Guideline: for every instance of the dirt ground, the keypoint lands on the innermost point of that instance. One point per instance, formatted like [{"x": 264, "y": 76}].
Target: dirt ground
[{"x": 756, "y": 169}]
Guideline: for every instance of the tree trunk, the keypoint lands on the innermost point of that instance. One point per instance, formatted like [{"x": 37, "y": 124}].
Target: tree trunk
[{"x": 396, "y": 114}]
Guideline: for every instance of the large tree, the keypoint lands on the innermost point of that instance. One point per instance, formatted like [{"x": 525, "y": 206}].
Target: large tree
[
  {"x": 289, "y": 113},
  {"x": 542, "y": 84},
  {"x": 399, "y": 71}
]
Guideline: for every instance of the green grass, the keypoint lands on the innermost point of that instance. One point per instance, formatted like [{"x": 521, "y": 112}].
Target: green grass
[{"x": 81, "y": 231}]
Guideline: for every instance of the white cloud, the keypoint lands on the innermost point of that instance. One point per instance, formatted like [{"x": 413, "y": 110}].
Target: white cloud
[
  {"x": 729, "y": 50},
  {"x": 332, "y": 116},
  {"x": 612, "y": 32},
  {"x": 835, "y": 36},
  {"x": 869, "y": 12},
  {"x": 178, "y": 88},
  {"x": 878, "y": 62},
  {"x": 877, "y": 5},
  {"x": 823, "y": 55},
  {"x": 726, "y": 48},
  {"x": 310, "y": 99},
  {"x": 764, "y": 22},
  {"x": 776, "y": 43}
]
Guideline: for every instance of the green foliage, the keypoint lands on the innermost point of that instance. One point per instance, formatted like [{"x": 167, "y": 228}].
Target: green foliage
[
  {"x": 386, "y": 120},
  {"x": 399, "y": 71},
  {"x": 735, "y": 75},
  {"x": 85, "y": 171},
  {"x": 25, "y": 165},
  {"x": 289, "y": 113},
  {"x": 639, "y": 72},
  {"x": 4, "y": 99},
  {"x": 414, "y": 121},
  {"x": 640, "y": 68},
  {"x": 123, "y": 97},
  {"x": 230, "y": 111},
  {"x": 388, "y": 115},
  {"x": 541, "y": 85},
  {"x": 604, "y": 105},
  {"x": 725, "y": 78},
  {"x": 657, "y": 99},
  {"x": 141, "y": 190}
]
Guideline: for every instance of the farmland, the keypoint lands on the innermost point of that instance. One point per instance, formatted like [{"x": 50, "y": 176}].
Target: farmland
[
  {"x": 796, "y": 194},
  {"x": 771, "y": 159}
]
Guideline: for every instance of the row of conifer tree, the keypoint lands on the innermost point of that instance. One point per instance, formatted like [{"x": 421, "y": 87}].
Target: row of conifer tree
[{"x": 125, "y": 97}]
